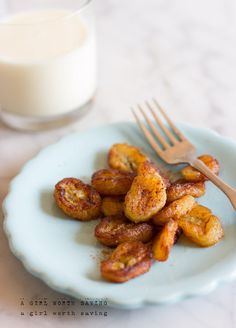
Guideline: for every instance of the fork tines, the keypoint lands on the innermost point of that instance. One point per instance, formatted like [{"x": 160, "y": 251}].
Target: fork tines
[{"x": 165, "y": 136}]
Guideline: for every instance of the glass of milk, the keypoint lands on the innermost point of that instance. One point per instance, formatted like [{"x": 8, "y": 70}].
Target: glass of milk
[{"x": 47, "y": 62}]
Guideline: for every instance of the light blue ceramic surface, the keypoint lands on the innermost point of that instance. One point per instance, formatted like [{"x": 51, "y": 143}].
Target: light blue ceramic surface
[{"x": 64, "y": 253}]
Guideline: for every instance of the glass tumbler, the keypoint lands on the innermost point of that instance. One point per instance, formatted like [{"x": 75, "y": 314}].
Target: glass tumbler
[{"x": 47, "y": 62}]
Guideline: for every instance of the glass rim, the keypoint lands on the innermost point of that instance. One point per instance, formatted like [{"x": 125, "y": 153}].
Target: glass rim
[{"x": 47, "y": 21}]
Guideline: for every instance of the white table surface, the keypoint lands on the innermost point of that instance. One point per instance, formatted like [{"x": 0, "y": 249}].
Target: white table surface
[{"x": 184, "y": 53}]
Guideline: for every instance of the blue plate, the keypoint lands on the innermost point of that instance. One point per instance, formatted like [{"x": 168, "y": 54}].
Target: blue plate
[{"x": 65, "y": 254}]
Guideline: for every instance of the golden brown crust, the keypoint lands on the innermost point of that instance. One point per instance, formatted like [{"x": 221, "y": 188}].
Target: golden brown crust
[
  {"x": 112, "y": 205},
  {"x": 77, "y": 199},
  {"x": 114, "y": 230},
  {"x": 147, "y": 194},
  {"x": 164, "y": 241},
  {"x": 128, "y": 260},
  {"x": 191, "y": 174},
  {"x": 112, "y": 182},
  {"x": 201, "y": 226},
  {"x": 125, "y": 157},
  {"x": 182, "y": 188},
  {"x": 175, "y": 210}
]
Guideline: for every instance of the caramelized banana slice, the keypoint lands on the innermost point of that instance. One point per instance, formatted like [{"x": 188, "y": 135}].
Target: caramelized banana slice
[
  {"x": 178, "y": 234},
  {"x": 165, "y": 240},
  {"x": 115, "y": 230},
  {"x": 77, "y": 199},
  {"x": 112, "y": 205},
  {"x": 175, "y": 210},
  {"x": 125, "y": 157},
  {"x": 128, "y": 260},
  {"x": 182, "y": 188},
  {"x": 191, "y": 174},
  {"x": 112, "y": 182},
  {"x": 147, "y": 194},
  {"x": 201, "y": 226}
]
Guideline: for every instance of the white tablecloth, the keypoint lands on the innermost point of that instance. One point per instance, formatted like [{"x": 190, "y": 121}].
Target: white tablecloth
[{"x": 182, "y": 52}]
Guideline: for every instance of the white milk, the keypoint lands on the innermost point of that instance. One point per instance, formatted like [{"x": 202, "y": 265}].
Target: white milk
[{"x": 47, "y": 63}]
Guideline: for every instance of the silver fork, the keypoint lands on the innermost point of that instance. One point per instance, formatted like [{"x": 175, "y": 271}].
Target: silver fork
[{"x": 178, "y": 149}]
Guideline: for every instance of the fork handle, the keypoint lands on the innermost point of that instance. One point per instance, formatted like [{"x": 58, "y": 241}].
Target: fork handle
[{"x": 229, "y": 191}]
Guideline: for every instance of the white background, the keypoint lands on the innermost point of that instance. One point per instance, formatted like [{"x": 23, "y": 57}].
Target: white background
[{"x": 184, "y": 53}]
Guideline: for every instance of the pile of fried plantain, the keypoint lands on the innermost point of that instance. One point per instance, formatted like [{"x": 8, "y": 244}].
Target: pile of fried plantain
[{"x": 141, "y": 212}]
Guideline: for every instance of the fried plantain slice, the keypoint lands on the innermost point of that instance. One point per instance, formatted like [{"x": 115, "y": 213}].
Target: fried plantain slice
[
  {"x": 112, "y": 182},
  {"x": 125, "y": 157},
  {"x": 147, "y": 194},
  {"x": 175, "y": 210},
  {"x": 191, "y": 174},
  {"x": 164, "y": 241},
  {"x": 201, "y": 226},
  {"x": 128, "y": 260},
  {"x": 77, "y": 199},
  {"x": 178, "y": 234},
  {"x": 114, "y": 230},
  {"x": 182, "y": 188},
  {"x": 112, "y": 205}
]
